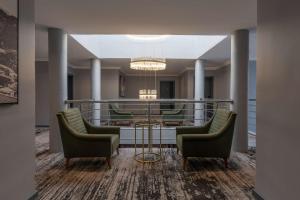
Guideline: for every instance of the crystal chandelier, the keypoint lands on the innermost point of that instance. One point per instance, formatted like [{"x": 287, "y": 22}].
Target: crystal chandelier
[
  {"x": 148, "y": 64},
  {"x": 147, "y": 94}
]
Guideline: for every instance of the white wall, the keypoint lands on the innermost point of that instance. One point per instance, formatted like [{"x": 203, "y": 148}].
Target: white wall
[
  {"x": 17, "y": 151},
  {"x": 278, "y": 108},
  {"x": 42, "y": 94}
]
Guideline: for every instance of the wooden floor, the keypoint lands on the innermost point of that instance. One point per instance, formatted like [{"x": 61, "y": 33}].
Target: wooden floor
[{"x": 90, "y": 178}]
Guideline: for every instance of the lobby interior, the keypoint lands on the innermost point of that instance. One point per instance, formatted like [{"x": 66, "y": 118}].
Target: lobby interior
[{"x": 153, "y": 100}]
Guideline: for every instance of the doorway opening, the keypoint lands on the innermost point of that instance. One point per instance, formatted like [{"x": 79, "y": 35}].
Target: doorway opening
[
  {"x": 70, "y": 88},
  {"x": 167, "y": 91}
]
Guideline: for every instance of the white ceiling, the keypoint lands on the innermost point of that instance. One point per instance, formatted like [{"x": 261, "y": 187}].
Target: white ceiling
[
  {"x": 219, "y": 53},
  {"x": 185, "y": 17},
  {"x": 76, "y": 53},
  {"x": 174, "y": 66},
  {"x": 79, "y": 56},
  {"x": 169, "y": 47},
  {"x": 190, "y": 17}
]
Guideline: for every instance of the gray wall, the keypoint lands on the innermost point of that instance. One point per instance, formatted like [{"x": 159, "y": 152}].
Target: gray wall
[
  {"x": 186, "y": 88},
  {"x": 182, "y": 86},
  {"x": 278, "y": 83},
  {"x": 42, "y": 94},
  {"x": 42, "y": 105},
  {"x": 109, "y": 86},
  {"x": 81, "y": 83},
  {"x": 134, "y": 83},
  {"x": 17, "y": 151},
  {"x": 222, "y": 83}
]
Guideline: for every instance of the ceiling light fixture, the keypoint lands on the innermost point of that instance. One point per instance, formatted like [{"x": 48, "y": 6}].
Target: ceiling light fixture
[
  {"x": 147, "y": 94},
  {"x": 147, "y": 37},
  {"x": 148, "y": 64}
]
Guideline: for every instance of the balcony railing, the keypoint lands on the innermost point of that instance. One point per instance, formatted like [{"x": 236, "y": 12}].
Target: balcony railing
[
  {"x": 252, "y": 116},
  {"x": 171, "y": 112}
]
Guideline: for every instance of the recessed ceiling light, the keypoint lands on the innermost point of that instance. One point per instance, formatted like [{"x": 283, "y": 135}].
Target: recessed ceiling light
[{"x": 147, "y": 37}]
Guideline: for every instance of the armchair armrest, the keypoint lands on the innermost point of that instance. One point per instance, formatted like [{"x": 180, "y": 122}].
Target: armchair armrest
[
  {"x": 93, "y": 137},
  {"x": 193, "y": 129},
  {"x": 171, "y": 112},
  {"x": 101, "y": 130},
  {"x": 198, "y": 137},
  {"x": 123, "y": 112}
]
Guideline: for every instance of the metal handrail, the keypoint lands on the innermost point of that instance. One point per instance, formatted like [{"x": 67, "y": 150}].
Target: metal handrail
[
  {"x": 151, "y": 101},
  {"x": 252, "y": 115},
  {"x": 148, "y": 110}
]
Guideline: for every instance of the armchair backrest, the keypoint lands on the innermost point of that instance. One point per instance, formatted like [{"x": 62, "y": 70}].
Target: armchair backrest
[
  {"x": 180, "y": 108},
  {"x": 219, "y": 120},
  {"x": 74, "y": 119},
  {"x": 113, "y": 108}
]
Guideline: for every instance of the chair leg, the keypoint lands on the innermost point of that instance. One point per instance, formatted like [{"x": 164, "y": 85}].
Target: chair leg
[
  {"x": 184, "y": 163},
  {"x": 177, "y": 150},
  {"x": 226, "y": 162},
  {"x": 67, "y": 162},
  {"x": 118, "y": 151},
  {"x": 108, "y": 162}
]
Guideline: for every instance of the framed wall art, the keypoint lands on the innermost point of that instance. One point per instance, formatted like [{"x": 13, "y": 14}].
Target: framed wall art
[
  {"x": 121, "y": 86},
  {"x": 9, "y": 28}
]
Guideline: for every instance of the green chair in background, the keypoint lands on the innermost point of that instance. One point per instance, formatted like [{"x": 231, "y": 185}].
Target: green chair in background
[
  {"x": 173, "y": 117},
  {"x": 118, "y": 117},
  {"x": 82, "y": 139},
  {"x": 214, "y": 139}
]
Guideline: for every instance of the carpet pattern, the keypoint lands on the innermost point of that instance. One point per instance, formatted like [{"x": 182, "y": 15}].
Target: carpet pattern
[{"x": 90, "y": 179}]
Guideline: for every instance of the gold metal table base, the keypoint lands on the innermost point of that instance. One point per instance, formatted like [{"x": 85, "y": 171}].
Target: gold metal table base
[{"x": 148, "y": 156}]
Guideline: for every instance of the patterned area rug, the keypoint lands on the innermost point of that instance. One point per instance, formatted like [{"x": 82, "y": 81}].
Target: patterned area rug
[{"x": 128, "y": 179}]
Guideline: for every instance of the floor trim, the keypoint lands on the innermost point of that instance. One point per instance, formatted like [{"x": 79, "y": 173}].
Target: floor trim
[
  {"x": 34, "y": 196},
  {"x": 256, "y": 195},
  {"x": 42, "y": 126}
]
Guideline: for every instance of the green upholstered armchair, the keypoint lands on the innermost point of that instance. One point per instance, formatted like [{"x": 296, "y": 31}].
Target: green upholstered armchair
[
  {"x": 119, "y": 117},
  {"x": 214, "y": 139},
  {"x": 82, "y": 139},
  {"x": 173, "y": 116}
]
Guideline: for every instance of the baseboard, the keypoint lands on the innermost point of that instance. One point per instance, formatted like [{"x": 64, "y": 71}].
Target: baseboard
[
  {"x": 34, "y": 196},
  {"x": 251, "y": 133},
  {"x": 146, "y": 145},
  {"x": 42, "y": 126},
  {"x": 256, "y": 195}
]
